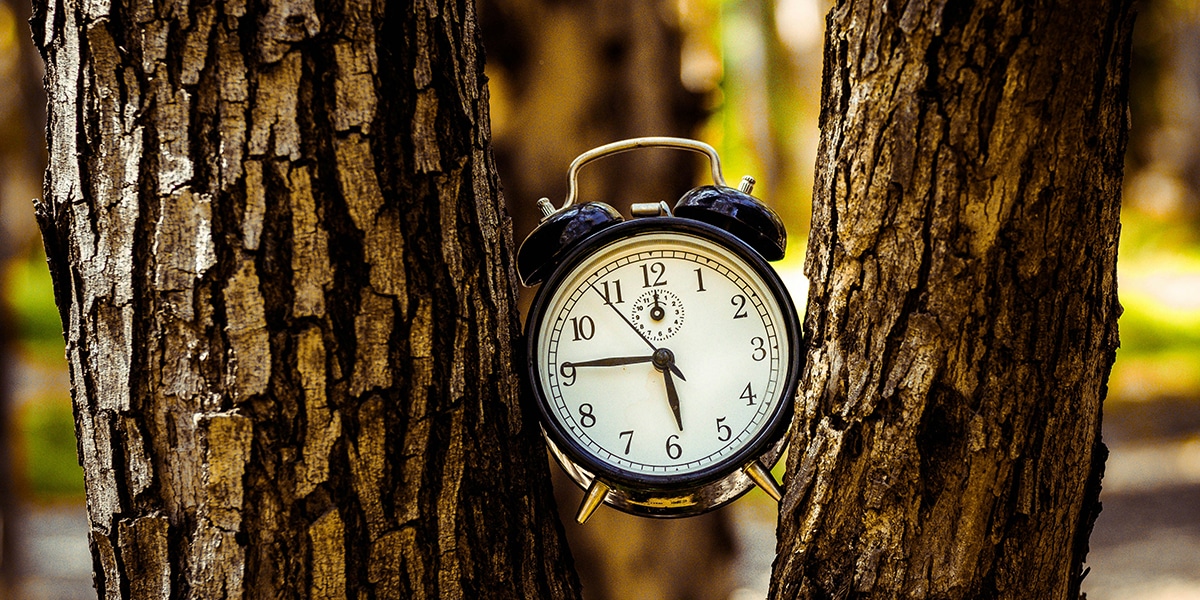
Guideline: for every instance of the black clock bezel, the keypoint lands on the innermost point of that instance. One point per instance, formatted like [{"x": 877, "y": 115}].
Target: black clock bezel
[{"x": 776, "y": 424}]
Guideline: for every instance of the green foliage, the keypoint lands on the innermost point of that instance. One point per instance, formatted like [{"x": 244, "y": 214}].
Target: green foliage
[
  {"x": 1159, "y": 288},
  {"x": 1148, "y": 326},
  {"x": 31, "y": 298},
  {"x": 47, "y": 430}
]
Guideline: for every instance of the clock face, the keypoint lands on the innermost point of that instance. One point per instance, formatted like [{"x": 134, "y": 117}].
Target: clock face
[{"x": 663, "y": 357}]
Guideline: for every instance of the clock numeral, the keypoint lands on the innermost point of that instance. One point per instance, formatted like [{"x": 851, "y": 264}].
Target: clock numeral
[
  {"x": 760, "y": 349},
  {"x": 700, "y": 281},
  {"x": 586, "y": 417},
  {"x": 658, "y": 270},
  {"x": 748, "y": 395},
  {"x": 629, "y": 441},
  {"x": 739, "y": 301},
  {"x": 608, "y": 294},
  {"x": 567, "y": 372},
  {"x": 673, "y": 449},
  {"x": 723, "y": 430},
  {"x": 583, "y": 327}
]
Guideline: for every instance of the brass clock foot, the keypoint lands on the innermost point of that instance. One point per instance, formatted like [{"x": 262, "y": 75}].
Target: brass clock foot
[
  {"x": 591, "y": 501},
  {"x": 762, "y": 476}
]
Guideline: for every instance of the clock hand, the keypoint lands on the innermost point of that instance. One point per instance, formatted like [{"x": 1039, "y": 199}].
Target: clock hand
[
  {"x": 672, "y": 397},
  {"x": 620, "y": 361},
  {"x": 611, "y": 362},
  {"x": 674, "y": 369},
  {"x": 656, "y": 312},
  {"x": 664, "y": 361}
]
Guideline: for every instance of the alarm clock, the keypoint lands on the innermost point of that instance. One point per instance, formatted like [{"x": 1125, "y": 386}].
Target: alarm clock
[{"x": 662, "y": 352}]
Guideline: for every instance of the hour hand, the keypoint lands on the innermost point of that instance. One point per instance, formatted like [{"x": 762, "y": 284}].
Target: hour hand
[
  {"x": 673, "y": 397},
  {"x": 615, "y": 361},
  {"x": 664, "y": 361}
]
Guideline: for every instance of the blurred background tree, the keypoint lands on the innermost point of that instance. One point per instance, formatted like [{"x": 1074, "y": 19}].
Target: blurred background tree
[
  {"x": 30, "y": 340},
  {"x": 744, "y": 76},
  {"x": 567, "y": 77},
  {"x": 564, "y": 78}
]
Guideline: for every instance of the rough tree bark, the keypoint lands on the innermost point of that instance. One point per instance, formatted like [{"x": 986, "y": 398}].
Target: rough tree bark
[
  {"x": 285, "y": 278},
  {"x": 963, "y": 310}
]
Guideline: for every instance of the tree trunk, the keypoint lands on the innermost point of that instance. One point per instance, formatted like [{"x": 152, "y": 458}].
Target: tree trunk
[
  {"x": 286, "y": 281},
  {"x": 962, "y": 318}
]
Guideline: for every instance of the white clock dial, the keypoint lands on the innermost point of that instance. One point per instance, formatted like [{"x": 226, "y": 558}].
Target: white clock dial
[{"x": 662, "y": 355}]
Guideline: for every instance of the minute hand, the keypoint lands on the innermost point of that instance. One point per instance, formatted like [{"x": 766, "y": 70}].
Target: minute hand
[
  {"x": 674, "y": 369},
  {"x": 612, "y": 362}
]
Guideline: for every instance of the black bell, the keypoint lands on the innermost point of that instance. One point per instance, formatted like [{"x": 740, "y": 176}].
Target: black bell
[
  {"x": 546, "y": 245},
  {"x": 738, "y": 213}
]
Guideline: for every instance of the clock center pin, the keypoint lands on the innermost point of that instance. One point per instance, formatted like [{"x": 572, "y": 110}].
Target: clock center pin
[{"x": 663, "y": 358}]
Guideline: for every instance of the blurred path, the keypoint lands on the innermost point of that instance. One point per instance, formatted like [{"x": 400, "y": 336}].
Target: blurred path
[
  {"x": 54, "y": 563},
  {"x": 1146, "y": 543}
]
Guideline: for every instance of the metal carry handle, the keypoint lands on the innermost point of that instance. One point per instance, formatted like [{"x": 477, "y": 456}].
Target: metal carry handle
[{"x": 625, "y": 146}]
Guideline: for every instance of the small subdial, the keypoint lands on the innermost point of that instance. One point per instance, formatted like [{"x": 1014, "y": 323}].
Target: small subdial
[{"x": 658, "y": 314}]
